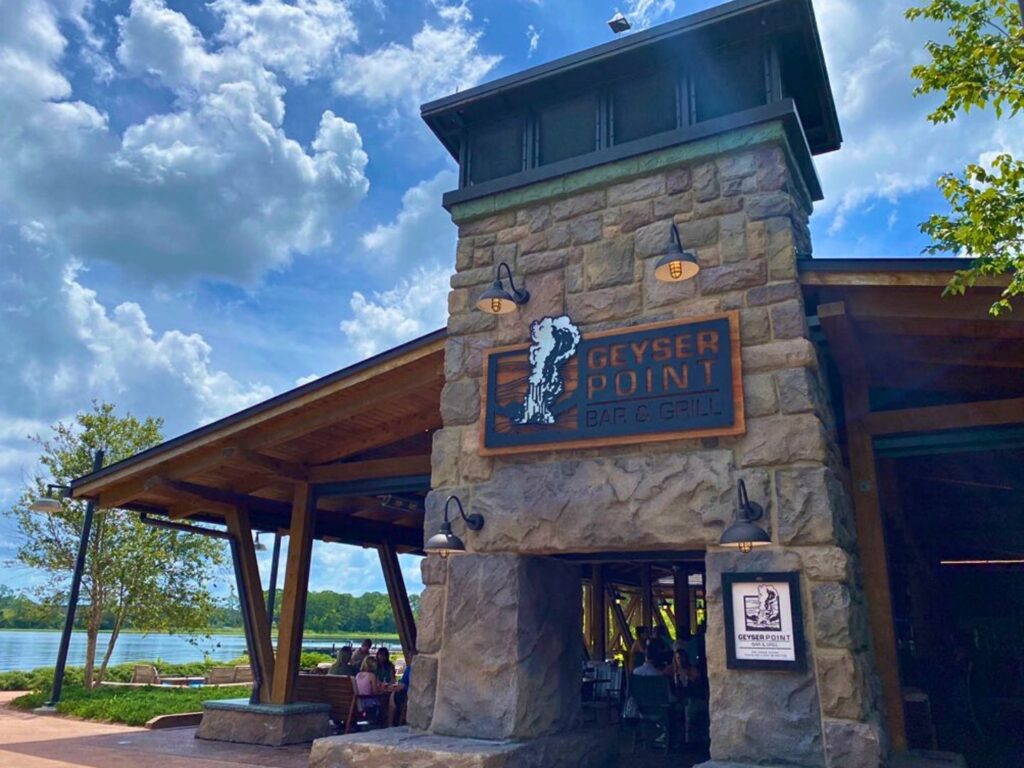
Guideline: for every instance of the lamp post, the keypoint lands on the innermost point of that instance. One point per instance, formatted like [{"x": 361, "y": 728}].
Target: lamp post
[{"x": 76, "y": 584}]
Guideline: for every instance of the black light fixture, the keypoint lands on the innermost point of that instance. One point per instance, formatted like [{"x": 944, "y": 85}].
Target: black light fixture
[
  {"x": 618, "y": 598},
  {"x": 444, "y": 542},
  {"x": 50, "y": 503},
  {"x": 744, "y": 535},
  {"x": 676, "y": 265},
  {"x": 618, "y": 23},
  {"x": 259, "y": 546},
  {"x": 496, "y": 300}
]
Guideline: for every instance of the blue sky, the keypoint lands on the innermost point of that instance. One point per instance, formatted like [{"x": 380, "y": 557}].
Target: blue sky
[{"x": 203, "y": 204}]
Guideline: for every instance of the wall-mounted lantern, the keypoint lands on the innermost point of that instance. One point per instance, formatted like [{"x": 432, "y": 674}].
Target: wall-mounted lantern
[
  {"x": 444, "y": 542},
  {"x": 496, "y": 300},
  {"x": 744, "y": 535},
  {"x": 676, "y": 265}
]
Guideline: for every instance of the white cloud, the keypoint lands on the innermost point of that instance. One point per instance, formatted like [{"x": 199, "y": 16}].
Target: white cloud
[
  {"x": 533, "y": 38},
  {"x": 126, "y": 356},
  {"x": 301, "y": 39},
  {"x": 439, "y": 61},
  {"x": 213, "y": 188},
  {"x": 890, "y": 150},
  {"x": 644, "y": 13},
  {"x": 422, "y": 232},
  {"x": 416, "y": 305}
]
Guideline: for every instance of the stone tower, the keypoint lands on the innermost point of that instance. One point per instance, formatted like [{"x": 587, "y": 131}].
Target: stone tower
[{"x": 572, "y": 174}]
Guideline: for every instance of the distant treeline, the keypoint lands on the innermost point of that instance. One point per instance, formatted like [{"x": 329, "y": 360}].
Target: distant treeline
[{"x": 325, "y": 612}]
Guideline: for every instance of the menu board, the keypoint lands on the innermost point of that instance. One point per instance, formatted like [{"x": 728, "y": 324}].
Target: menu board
[{"x": 763, "y": 621}]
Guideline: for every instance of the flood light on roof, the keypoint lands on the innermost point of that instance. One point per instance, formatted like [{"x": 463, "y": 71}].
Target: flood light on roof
[{"x": 618, "y": 23}]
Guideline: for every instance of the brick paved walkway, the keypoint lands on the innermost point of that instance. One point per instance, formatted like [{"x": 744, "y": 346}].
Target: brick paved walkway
[{"x": 44, "y": 741}]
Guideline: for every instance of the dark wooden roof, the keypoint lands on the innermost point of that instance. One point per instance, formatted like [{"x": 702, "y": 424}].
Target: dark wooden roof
[
  {"x": 918, "y": 347},
  {"x": 727, "y": 22},
  {"x": 361, "y": 437}
]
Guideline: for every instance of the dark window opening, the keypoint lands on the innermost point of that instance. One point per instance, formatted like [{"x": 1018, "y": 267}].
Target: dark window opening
[
  {"x": 567, "y": 129},
  {"x": 495, "y": 150},
  {"x": 730, "y": 81},
  {"x": 798, "y": 86},
  {"x": 643, "y": 107}
]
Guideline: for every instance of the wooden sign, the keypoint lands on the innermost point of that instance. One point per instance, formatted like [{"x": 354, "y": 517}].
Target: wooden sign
[
  {"x": 660, "y": 381},
  {"x": 764, "y": 626}
]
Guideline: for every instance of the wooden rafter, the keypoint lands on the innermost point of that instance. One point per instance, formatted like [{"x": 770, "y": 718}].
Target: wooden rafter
[{"x": 236, "y": 455}]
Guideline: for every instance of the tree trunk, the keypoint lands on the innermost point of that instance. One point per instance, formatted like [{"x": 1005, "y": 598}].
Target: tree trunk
[
  {"x": 91, "y": 636},
  {"x": 114, "y": 632}
]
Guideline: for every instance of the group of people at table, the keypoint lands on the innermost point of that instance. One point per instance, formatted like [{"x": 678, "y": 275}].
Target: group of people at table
[
  {"x": 652, "y": 656},
  {"x": 375, "y": 678}
]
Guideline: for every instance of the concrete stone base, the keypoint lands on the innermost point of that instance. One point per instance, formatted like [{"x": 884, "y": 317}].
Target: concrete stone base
[
  {"x": 272, "y": 725},
  {"x": 583, "y": 748}
]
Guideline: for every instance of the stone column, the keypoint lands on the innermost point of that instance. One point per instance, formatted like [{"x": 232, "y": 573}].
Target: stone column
[
  {"x": 586, "y": 245},
  {"x": 501, "y": 634}
]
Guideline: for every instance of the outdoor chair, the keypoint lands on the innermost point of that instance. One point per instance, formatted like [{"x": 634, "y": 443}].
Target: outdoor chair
[
  {"x": 145, "y": 674},
  {"x": 336, "y": 690},
  {"x": 653, "y": 708}
]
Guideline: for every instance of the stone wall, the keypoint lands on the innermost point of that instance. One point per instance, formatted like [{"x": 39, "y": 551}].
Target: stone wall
[
  {"x": 588, "y": 249},
  {"x": 499, "y": 642}
]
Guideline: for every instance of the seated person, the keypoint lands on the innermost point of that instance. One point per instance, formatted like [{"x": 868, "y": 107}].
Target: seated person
[
  {"x": 385, "y": 669},
  {"x": 343, "y": 664},
  {"x": 680, "y": 672},
  {"x": 361, "y": 653},
  {"x": 368, "y": 687},
  {"x": 658, "y": 646},
  {"x": 638, "y": 652},
  {"x": 658, "y": 667}
]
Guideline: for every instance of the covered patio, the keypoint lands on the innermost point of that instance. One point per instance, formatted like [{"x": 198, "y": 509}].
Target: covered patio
[{"x": 344, "y": 459}]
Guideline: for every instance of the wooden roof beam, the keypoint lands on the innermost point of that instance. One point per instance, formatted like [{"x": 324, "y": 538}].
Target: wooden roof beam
[
  {"x": 259, "y": 463},
  {"x": 385, "y": 434},
  {"x": 370, "y": 469}
]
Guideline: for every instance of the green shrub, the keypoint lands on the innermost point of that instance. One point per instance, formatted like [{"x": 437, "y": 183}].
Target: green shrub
[
  {"x": 310, "y": 659},
  {"x": 131, "y": 706}
]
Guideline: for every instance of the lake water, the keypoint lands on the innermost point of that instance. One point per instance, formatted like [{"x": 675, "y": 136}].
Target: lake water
[{"x": 27, "y": 649}]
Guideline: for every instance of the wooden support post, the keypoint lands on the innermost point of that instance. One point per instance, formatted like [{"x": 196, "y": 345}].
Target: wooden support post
[
  {"x": 293, "y": 600},
  {"x": 874, "y": 563},
  {"x": 681, "y": 598},
  {"x": 238, "y": 525},
  {"x": 625, "y": 634},
  {"x": 588, "y": 617},
  {"x": 842, "y": 337},
  {"x": 399, "y": 597},
  {"x": 599, "y": 614},
  {"x": 647, "y": 599}
]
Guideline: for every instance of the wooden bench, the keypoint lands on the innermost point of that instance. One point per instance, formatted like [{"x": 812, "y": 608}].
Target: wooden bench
[{"x": 337, "y": 690}]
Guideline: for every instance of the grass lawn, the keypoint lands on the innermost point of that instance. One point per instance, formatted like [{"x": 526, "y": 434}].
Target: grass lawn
[{"x": 131, "y": 706}]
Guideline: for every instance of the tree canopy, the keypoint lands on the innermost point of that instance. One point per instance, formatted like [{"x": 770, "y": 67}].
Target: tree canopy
[
  {"x": 980, "y": 67},
  {"x": 135, "y": 575}
]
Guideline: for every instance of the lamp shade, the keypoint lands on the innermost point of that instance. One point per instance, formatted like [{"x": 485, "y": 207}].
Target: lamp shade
[
  {"x": 444, "y": 542},
  {"x": 496, "y": 300},
  {"x": 744, "y": 536},
  {"x": 676, "y": 266},
  {"x": 46, "y": 504}
]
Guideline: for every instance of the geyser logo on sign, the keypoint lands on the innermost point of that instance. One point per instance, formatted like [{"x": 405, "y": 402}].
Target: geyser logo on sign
[{"x": 659, "y": 381}]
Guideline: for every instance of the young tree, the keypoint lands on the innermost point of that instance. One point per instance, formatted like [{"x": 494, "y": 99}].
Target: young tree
[
  {"x": 981, "y": 66},
  {"x": 135, "y": 575}
]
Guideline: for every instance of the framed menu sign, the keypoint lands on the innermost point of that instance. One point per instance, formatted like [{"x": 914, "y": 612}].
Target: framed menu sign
[{"x": 763, "y": 621}]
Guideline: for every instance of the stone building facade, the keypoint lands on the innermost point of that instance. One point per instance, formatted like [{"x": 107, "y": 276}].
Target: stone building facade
[{"x": 506, "y": 615}]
